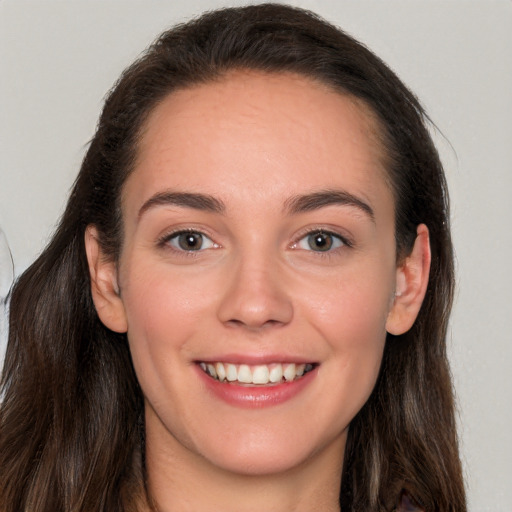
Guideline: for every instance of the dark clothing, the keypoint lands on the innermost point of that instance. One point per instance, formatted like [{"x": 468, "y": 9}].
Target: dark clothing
[{"x": 407, "y": 504}]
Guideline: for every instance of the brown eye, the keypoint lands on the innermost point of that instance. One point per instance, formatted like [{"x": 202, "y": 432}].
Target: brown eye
[
  {"x": 320, "y": 241},
  {"x": 190, "y": 241}
]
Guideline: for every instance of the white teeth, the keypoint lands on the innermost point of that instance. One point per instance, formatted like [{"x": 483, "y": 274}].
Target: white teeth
[
  {"x": 221, "y": 372},
  {"x": 289, "y": 372},
  {"x": 231, "y": 372},
  {"x": 259, "y": 374},
  {"x": 211, "y": 370},
  {"x": 244, "y": 374},
  {"x": 276, "y": 373}
]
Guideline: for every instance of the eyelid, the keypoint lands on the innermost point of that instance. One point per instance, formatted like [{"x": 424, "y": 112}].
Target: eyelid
[
  {"x": 165, "y": 239},
  {"x": 346, "y": 241}
]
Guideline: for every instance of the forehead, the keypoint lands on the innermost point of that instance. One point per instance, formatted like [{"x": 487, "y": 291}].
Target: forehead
[{"x": 248, "y": 129}]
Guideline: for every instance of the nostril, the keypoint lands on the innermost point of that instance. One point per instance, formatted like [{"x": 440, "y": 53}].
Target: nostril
[
  {"x": 255, "y": 297},
  {"x": 254, "y": 325}
]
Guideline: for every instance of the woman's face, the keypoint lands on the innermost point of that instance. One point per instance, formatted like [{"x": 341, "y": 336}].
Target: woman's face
[{"x": 258, "y": 241}]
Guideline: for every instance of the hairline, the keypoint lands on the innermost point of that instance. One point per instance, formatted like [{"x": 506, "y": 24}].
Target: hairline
[{"x": 375, "y": 127}]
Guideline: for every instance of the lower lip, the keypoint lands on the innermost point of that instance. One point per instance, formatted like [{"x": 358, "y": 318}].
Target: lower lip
[{"x": 256, "y": 396}]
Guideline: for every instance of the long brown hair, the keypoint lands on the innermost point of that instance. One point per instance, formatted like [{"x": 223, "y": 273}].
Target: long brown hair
[{"x": 71, "y": 428}]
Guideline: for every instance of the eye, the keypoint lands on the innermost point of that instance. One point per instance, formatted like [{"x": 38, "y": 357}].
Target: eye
[
  {"x": 190, "y": 241},
  {"x": 320, "y": 241}
]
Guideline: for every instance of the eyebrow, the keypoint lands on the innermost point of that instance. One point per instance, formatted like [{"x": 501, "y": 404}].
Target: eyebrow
[
  {"x": 293, "y": 205},
  {"x": 322, "y": 198},
  {"x": 203, "y": 202}
]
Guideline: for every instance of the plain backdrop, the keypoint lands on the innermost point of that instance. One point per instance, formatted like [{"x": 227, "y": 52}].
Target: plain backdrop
[{"x": 58, "y": 59}]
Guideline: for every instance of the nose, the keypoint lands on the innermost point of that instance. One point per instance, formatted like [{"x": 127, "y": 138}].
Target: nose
[{"x": 256, "y": 296}]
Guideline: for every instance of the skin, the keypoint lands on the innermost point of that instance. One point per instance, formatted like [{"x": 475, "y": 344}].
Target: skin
[{"x": 257, "y": 288}]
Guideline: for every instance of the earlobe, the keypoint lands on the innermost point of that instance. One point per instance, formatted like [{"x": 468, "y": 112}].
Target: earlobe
[
  {"x": 104, "y": 287},
  {"x": 411, "y": 285}
]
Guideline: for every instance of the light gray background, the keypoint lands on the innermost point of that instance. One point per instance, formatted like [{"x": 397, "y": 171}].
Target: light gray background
[{"x": 57, "y": 60}]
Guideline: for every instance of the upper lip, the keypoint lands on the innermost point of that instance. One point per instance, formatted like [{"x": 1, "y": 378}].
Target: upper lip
[{"x": 256, "y": 359}]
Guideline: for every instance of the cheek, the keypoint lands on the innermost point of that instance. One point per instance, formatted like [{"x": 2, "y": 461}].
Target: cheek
[
  {"x": 351, "y": 308},
  {"x": 350, "y": 313},
  {"x": 164, "y": 302},
  {"x": 354, "y": 328},
  {"x": 163, "y": 311}
]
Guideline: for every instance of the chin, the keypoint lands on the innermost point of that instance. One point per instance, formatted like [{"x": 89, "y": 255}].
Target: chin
[
  {"x": 261, "y": 455},
  {"x": 259, "y": 464}
]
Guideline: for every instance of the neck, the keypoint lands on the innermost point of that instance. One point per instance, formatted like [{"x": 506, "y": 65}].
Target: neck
[{"x": 179, "y": 480}]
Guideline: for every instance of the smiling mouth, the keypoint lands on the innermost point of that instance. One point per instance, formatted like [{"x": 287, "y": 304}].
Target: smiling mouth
[{"x": 262, "y": 374}]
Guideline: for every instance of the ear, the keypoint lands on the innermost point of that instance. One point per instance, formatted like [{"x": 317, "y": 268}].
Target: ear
[
  {"x": 104, "y": 288},
  {"x": 411, "y": 285}
]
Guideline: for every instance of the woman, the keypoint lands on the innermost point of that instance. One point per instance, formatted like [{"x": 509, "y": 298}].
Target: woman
[{"x": 245, "y": 304}]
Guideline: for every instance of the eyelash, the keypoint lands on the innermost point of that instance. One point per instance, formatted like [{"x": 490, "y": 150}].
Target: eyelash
[
  {"x": 343, "y": 240},
  {"x": 165, "y": 241}
]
